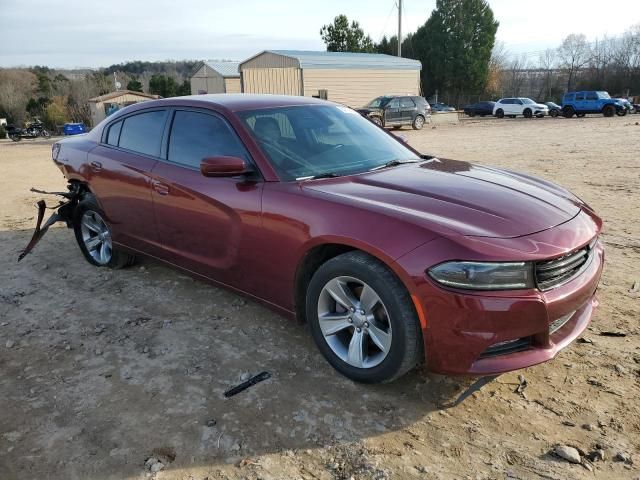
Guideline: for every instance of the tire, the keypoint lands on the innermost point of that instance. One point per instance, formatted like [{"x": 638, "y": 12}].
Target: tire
[
  {"x": 15, "y": 138},
  {"x": 609, "y": 111},
  {"x": 472, "y": 114},
  {"x": 621, "y": 113},
  {"x": 500, "y": 113},
  {"x": 397, "y": 127},
  {"x": 45, "y": 133},
  {"x": 390, "y": 321},
  {"x": 568, "y": 111},
  {"x": 553, "y": 113},
  {"x": 418, "y": 122},
  {"x": 527, "y": 113},
  {"x": 376, "y": 120},
  {"x": 581, "y": 115},
  {"x": 88, "y": 225}
]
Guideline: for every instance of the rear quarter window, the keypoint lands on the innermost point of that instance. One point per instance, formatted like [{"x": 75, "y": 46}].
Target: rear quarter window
[
  {"x": 142, "y": 133},
  {"x": 113, "y": 135}
]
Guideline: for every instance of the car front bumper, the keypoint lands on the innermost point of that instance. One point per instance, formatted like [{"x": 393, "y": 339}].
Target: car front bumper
[{"x": 477, "y": 333}]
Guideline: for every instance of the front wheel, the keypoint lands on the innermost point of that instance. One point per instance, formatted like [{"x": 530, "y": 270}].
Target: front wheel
[
  {"x": 568, "y": 111},
  {"x": 377, "y": 121},
  {"x": 362, "y": 319},
  {"x": 94, "y": 236},
  {"x": 527, "y": 113},
  {"x": 500, "y": 113},
  {"x": 609, "y": 111},
  {"x": 15, "y": 138},
  {"x": 622, "y": 113},
  {"x": 553, "y": 113},
  {"x": 418, "y": 122}
]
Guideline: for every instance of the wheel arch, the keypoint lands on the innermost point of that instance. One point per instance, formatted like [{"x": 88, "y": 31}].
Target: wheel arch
[{"x": 318, "y": 253}]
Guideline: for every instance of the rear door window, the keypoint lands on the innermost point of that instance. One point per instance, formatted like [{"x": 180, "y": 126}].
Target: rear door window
[
  {"x": 197, "y": 135},
  {"x": 114, "y": 133},
  {"x": 142, "y": 133},
  {"x": 395, "y": 103},
  {"x": 406, "y": 102},
  {"x": 579, "y": 96}
]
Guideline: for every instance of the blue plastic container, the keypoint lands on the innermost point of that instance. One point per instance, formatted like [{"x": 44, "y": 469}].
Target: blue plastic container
[{"x": 74, "y": 128}]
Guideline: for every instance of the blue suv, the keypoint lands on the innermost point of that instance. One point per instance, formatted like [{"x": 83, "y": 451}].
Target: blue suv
[{"x": 581, "y": 103}]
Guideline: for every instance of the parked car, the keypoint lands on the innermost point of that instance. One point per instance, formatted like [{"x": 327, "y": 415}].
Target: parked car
[
  {"x": 554, "y": 109},
  {"x": 511, "y": 107},
  {"x": 74, "y": 128},
  {"x": 581, "y": 103},
  {"x": 479, "y": 108},
  {"x": 636, "y": 107},
  {"x": 628, "y": 108},
  {"x": 397, "y": 111},
  {"x": 441, "y": 107},
  {"x": 392, "y": 257}
]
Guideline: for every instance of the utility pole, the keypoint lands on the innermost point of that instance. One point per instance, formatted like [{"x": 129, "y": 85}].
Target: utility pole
[{"x": 399, "y": 28}]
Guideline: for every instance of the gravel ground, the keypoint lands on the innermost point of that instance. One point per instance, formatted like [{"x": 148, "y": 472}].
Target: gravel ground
[{"x": 120, "y": 374}]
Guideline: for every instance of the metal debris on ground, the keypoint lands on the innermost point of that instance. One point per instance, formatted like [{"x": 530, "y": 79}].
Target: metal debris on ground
[
  {"x": 521, "y": 385},
  {"x": 613, "y": 334},
  {"x": 635, "y": 288},
  {"x": 249, "y": 383}
]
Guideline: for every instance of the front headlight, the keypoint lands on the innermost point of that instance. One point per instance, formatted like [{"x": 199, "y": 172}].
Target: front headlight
[{"x": 484, "y": 275}]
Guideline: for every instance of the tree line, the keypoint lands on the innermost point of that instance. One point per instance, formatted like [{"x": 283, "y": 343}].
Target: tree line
[
  {"x": 57, "y": 97},
  {"x": 462, "y": 62}
]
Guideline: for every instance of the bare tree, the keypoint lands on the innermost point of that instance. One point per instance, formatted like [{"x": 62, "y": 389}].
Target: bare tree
[
  {"x": 16, "y": 87},
  {"x": 574, "y": 54}
]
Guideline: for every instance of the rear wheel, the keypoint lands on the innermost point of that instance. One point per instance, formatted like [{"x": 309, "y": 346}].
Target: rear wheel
[
  {"x": 94, "y": 236},
  {"x": 500, "y": 113},
  {"x": 527, "y": 113},
  {"x": 45, "y": 133},
  {"x": 553, "y": 113},
  {"x": 568, "y": 111},
  {"x": 362, "y": 319},
  {"x": 418, "y": 122},
  {"x": 609, "y": 111}
]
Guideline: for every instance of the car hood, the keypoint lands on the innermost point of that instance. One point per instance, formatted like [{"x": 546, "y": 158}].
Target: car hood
[{"x": 454, "y": 197}]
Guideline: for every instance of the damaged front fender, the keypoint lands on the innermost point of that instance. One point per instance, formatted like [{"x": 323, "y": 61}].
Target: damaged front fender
[{"x": 64, "y": 213}]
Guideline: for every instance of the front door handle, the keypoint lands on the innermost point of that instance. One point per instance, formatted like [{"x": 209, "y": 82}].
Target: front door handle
[
  {"x": 161, "y": 188},
  {"x": 96, "y": 166}
]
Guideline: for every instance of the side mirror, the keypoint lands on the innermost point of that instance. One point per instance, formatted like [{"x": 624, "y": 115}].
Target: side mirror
[{"x": 223, "y": 166}]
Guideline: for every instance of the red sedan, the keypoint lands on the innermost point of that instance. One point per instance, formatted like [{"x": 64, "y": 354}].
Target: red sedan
[{"x": 392, "y": 257}]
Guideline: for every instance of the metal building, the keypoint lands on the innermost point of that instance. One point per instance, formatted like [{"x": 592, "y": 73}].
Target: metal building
[
  {"x": 352, "y": 79},
  {"x": 215, "y": 77},
  {"x": 104, "y": 105}
]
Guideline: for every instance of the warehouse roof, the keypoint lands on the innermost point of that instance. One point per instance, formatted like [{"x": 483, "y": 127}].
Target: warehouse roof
[
  {"x": 346, "y": 60},
  {"x": 120, "y": 93},
  {"x": 225, "y": 69}
]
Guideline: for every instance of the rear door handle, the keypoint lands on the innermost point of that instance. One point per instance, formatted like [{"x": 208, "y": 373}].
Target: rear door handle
[
  {"x": 161, "y": 188},
  {"x": 96, "y": 166}
]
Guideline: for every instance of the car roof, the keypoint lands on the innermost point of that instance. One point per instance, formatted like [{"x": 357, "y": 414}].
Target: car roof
[{"x": 237, "y": 102}]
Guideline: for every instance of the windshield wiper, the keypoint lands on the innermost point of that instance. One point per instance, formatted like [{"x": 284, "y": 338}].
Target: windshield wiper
[
  {"x": 320, "y": 175},
  {"x": 392, "y": 163}
]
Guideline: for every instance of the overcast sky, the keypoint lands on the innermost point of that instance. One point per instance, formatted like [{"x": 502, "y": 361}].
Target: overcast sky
[{"x": 93, "y": 33}]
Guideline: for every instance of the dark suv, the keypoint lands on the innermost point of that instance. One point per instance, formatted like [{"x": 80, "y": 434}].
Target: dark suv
[
  {"x": 396, "y": 111},
  {"x": 581, "y": 103}
]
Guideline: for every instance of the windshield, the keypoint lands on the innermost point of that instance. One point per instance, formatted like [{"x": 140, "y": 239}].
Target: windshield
[
  {"x": 378, "y": 102},
  {"x": 310, "y": 140},
  {"x": 603, "y": 95},
  {"x": 527, "y": 100}
]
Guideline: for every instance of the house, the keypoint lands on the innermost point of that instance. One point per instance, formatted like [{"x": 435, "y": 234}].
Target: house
[
  {"x": 215, "y": 77},
  {"x": 104, "y": 105},
  {"x": 352, "y": 79}
]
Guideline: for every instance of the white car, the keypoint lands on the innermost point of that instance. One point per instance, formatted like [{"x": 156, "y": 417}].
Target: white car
[{"x": 511, "y": 107}]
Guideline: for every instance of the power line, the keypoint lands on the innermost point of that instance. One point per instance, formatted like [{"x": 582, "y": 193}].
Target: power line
[{"x": 393, "y": 7}]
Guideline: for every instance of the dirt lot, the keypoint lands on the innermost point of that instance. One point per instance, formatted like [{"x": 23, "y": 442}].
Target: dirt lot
[{"x": 100, "y": 370}]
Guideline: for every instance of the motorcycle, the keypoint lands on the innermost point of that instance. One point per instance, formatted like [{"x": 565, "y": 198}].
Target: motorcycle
[{"x": 33, "y": 130}]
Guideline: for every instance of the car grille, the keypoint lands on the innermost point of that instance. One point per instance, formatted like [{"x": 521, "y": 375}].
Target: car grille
[
  {"x": 504, "y": 348},
  {"x": 553, "y": 273}
]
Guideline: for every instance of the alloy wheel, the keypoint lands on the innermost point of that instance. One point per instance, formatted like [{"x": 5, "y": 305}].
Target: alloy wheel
[
  {"x": 354, "y": 322},
  {"x": 96, "y": 237}
]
